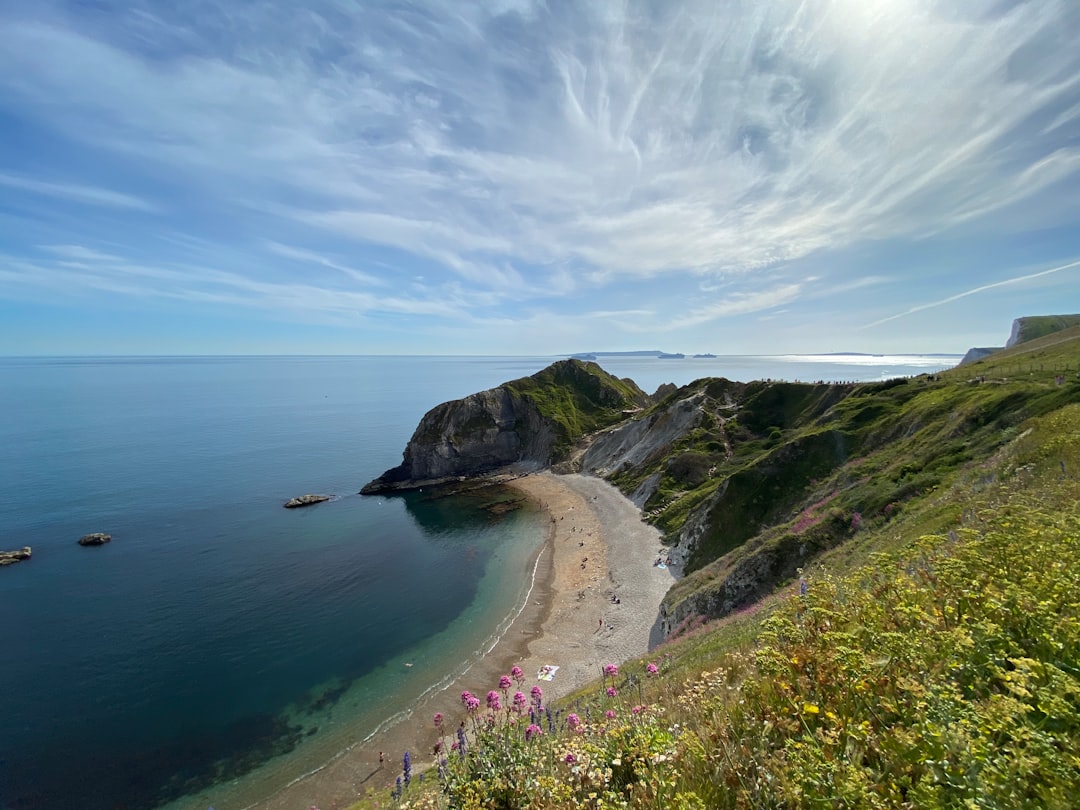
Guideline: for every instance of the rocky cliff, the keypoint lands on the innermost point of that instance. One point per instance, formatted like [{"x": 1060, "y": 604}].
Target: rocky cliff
[{"x": 526, "y": 424}]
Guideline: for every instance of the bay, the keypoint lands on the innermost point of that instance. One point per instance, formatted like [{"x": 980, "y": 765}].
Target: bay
[{"x": 220, "y": 639}]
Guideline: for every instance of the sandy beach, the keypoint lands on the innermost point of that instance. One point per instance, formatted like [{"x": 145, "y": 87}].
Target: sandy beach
[{"x": 597, "y": 550}]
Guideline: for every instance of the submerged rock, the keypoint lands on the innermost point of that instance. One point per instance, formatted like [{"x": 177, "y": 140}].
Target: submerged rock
[
  {"x": 95, "y": 539},
  {"x": 305, "y": 500},
  {"x": 12, "y": 557}
]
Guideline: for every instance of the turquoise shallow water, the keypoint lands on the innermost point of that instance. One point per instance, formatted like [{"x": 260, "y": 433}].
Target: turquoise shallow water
[{"x": 219, "y": 632}]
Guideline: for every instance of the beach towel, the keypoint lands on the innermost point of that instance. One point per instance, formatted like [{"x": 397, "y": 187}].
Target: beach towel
[{"x": 546, "y": 672}]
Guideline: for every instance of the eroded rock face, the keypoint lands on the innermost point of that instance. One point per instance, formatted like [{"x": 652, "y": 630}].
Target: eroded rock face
[
  {"x": 636, "y": 442},
  {"x": 95, "y": 539},
  {"x": 12, "y": 557},
  {"x": 305, "y": 500},
  {"x": 471, "y": 436}
]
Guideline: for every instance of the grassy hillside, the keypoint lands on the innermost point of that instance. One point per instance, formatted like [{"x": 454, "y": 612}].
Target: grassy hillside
[
  {"x": 933, "y": 659},
  {"x": 939, "y": 667},
  {"x": 578, "y": 397}
]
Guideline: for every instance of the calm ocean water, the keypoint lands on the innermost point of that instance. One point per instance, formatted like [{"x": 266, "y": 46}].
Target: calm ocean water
[{"x": 219, "y": 632}]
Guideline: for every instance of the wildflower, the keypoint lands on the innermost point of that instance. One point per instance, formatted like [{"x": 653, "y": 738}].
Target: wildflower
[
  {"x": 637, "y": 709},
  {"x": 438, "y": 718},
  {"x": 652, "y": 669},
  {"x": 406, "y": 768},
  {"x": 612, "y": 691},
  {"x": 472, "y": 703},
  {"x": 612, "y": 670},
  {"x": 519, "y": 702},
  {"x": 610, "y": 714},
  {"x": 465, "y": 696},
  {"x": 537, "y": 694},
  {"x": 504, "y": 682},
  {"x": 533, "y": 731},
  {"x": 517, "y": 674},
  {"x": 572, "y": 721},
  {"x": 570, "y": 759},
  {"x": 493, "y": 701}
]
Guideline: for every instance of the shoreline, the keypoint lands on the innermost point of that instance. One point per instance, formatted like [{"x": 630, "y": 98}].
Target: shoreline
[{"x": 596, "y": 549}]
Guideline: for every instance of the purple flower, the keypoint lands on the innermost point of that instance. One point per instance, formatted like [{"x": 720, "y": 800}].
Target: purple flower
[
  {"x": 504, "y": 682},
  {"x": 438, "y": 718},
  {"x": 533, "y": 731},
  {"x": 612, "y": 691},
  {"x": 519, "y": 702},
  {"x": 572, "y": 721},
  {"x": 465, "y": 696},
  {"x": 517, "y": 674},
  {"x": 609, "y": 714},
  {"x": 406, "y": 768},
  {"x": 472, "y": 704},
  {"x": 570, "y": 759},
  {"x": 537, "y": 694},
  {"x": 652, "y": 669},
  {"x": 612, "y": 670},
  {"x": 493, "y": 701}
]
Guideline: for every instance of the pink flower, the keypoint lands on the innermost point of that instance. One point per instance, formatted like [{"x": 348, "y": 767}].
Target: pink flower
[
  {"x": 612, "y": 670},
  {"x": 652, "y": 669},
  {"x": 612, "y": 691},
  {"x": 570, "y": 759},
  {"x": 472, "y": 704},
  {"x": 493, "y": 702},
  {"x": 465, "y": 696},
  {"x": 519, "y": 702},
  {"x": 438, "y": 718},
  {"x": 609, "y": 714},
  {"x": 533, "y": 731},
  {"x": 537, "y": 694},
  {"x": 572, "y": 721},
  {"x": 637, "y": 709},
  {"x": 517, "y": 674},
  {"x": 504, "y": 682}
]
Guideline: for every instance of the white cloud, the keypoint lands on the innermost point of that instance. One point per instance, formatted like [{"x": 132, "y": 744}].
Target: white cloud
[
  {"x": 529, "y": 152},
  {"x": 87, "y": 195},
  {"x": 975, "y": 291}
]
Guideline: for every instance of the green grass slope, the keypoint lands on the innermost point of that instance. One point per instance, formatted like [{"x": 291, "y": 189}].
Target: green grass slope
[
  {"x": 578, "y": 397},
  {"x": 1037, "y": 326}
]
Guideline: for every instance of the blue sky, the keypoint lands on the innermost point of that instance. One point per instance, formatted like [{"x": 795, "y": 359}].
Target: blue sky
[{"x": 515, "y": 177}]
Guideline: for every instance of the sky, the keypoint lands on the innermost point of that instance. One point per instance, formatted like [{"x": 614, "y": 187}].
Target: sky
[{"x": 535, "y": 178}]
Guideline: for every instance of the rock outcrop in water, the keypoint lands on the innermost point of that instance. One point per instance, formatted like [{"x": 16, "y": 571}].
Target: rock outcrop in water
[
  {"x": 305, "y": 500},
  {"x": 526, "y": 424},
  {"x": 12, "y": 557},
  {"x": 95, "y": 539}
]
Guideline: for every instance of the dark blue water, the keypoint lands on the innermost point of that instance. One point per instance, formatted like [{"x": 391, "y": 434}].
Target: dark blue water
[{"x": 218, "y": 632}]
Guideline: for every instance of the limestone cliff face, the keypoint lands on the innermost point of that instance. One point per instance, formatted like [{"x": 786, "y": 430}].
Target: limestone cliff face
[
  {"x": 526, "y": 424},
  {"x": 472, "y": 436}
]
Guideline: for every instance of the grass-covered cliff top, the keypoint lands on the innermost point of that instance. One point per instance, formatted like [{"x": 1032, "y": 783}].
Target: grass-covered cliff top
[{"x": 578, "y": 397}]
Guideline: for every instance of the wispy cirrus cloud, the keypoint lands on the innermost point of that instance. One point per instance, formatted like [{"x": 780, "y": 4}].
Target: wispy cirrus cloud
[
  {"x": 521, "y": 153},
  {"x": 1016, "y": 280},
  {"x": 87, "y": 195}
]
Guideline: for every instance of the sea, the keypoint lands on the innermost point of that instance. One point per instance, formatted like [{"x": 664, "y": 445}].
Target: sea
[{"x": 221, "y": 646}]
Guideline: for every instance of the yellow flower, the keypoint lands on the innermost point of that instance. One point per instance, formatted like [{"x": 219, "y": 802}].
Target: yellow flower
[{"x": 810, "y": 708}]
